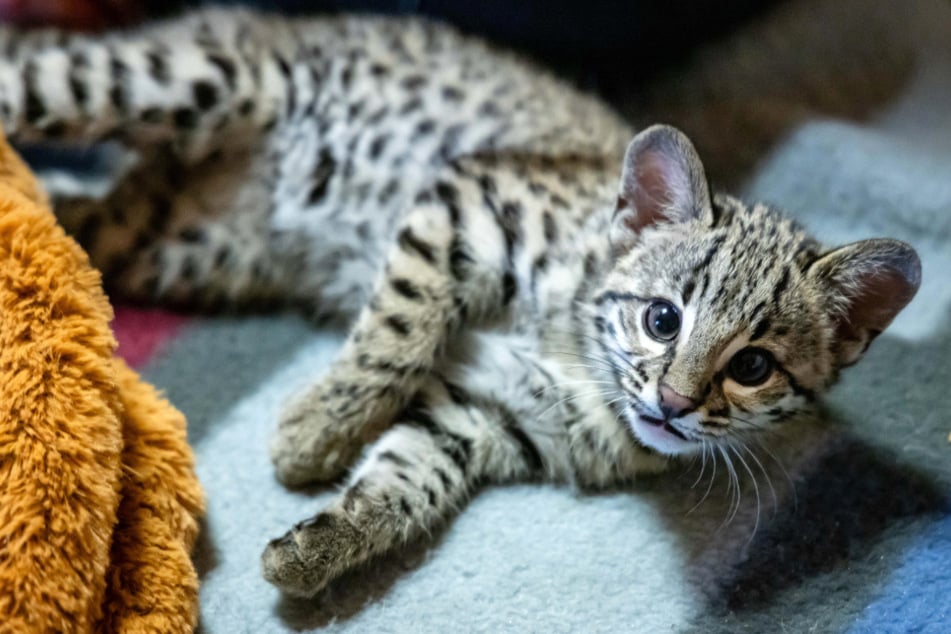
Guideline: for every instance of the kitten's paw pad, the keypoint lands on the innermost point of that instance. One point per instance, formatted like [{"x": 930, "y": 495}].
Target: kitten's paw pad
[{"x": 307, "y": 558}]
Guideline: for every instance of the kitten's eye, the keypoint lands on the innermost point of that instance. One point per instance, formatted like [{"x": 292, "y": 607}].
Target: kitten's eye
[
  {"x": 662, "y": 320},
  {"x": 751, "y": 366}
]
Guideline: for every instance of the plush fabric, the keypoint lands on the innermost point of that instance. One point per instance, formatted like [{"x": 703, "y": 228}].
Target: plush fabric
[{"x": 98, "y": 496}]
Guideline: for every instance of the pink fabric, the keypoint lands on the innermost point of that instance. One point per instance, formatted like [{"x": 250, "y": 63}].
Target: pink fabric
[{"x": 142, "y": 332}]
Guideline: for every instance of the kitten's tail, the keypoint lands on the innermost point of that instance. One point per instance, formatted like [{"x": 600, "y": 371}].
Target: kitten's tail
[{"x": 199, "y": 82}]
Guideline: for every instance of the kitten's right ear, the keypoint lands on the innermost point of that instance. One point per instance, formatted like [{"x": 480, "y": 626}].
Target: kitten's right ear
[
  {"x": 869, "y": 283},
  {"x": 662, "y": 182}
]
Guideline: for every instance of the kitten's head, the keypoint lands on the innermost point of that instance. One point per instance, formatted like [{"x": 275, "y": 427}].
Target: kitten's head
[{"x": 722, "y": 319}]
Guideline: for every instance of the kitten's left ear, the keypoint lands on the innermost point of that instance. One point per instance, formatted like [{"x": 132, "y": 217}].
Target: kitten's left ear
[
  {"x": 662, "y": 182},
  {"x": 870, "y": 282}
]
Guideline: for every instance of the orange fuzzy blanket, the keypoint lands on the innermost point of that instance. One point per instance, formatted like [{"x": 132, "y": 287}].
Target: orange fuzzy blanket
[{"x": 99, "y": 502}]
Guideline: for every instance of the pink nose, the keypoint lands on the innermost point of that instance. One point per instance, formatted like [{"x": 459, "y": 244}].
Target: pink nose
[{"x": 673, "y": 404}]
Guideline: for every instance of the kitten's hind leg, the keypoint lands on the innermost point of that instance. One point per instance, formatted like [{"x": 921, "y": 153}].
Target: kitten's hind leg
[
  {"x": 445, "y": 268},
  {"x": 189, "y": 238},
  {"x": 418, "y": 475}
]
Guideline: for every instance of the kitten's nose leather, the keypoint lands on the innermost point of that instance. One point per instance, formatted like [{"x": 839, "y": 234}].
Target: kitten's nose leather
[{"x": 673, "y": 404}]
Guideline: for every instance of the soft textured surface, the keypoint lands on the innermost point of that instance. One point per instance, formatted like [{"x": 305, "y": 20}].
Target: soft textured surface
[
  {"x": 98, "y": 496},
  {"x": 856, "y": 538}
]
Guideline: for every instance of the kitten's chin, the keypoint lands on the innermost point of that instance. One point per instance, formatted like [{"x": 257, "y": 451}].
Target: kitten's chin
[{"x": 658, "y": 438}]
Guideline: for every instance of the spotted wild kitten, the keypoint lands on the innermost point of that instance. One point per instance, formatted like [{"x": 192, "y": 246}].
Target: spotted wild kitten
[{"x": 517, "y": 313}]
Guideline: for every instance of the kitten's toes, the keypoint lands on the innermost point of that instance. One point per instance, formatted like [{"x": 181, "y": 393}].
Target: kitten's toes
[
  {"x": 305, "y": 448},
  {"x": 303, "y": 561}
]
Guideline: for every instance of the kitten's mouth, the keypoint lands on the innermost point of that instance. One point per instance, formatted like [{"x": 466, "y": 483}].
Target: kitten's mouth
[
  {"x": 659, "y": 434},
  {"x": 663, "y": 424}
]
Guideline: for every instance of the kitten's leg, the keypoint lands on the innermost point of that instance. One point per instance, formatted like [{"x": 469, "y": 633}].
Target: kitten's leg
[
  {"x": 186, "y": 238},
  {"x": 450, "y": 265},
  {"x": 418, "y": 475},
  {"x": 200, "y": 82}
]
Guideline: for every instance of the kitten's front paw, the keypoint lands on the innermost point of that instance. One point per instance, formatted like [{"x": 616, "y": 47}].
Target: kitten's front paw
[
  {"x": 303, "y": 561},
  {"x": 310, "y": 445}
]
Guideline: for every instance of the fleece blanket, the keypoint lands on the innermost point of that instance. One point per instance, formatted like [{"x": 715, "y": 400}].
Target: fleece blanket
[
  {"x": 844, "y": 528},
  {"x": 98, "y": 495}
]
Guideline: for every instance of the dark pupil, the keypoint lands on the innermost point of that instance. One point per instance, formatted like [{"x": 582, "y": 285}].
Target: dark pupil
[
  {"x": 750, "y": 367},
  {"x": 663, "y": 320}
]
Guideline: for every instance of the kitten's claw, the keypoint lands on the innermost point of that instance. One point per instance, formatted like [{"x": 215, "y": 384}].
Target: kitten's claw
[{"x": 308, "y": 557}]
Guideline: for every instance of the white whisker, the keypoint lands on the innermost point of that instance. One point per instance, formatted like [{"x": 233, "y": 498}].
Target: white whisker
[{"x": 746, "y": 466}]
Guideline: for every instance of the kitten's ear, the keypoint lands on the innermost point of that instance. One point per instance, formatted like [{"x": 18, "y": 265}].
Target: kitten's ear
[
  {"x": 869, "y": 282},
  {"x": 662, "y": 181}
]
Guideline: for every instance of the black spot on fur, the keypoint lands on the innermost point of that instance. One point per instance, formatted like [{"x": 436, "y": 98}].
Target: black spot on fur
[
  {"x": 527, "y": 448},
  {"x": 458, "y": 395},
  {"x": 78, "y": 59},
  {"x": 54, "y": 129},
  {"x": 226, "y": 66},
  {"x": 192, "y": 235},
  {"x": 151, "y": 115},
  {"x": 452, "y": 93},
  {"x": 447, "y": 193},
  {"x": 413, "y": 82},
  {"x": 398, "y": 324},
  {"x": 550, "y": 227},
  {"x": 489, "y": 109},
  {"x": 408, "y": 241},
  {"x": 688, "y": 290},
  {"x": 537, "y": 188},
  {"x": 423, "y": 128},
  {"x": 282, "y": 65},
  {"x": 459, "y": 259},
  {"x": 388, "y": 191},
  {"x": 761, "y": 329},
  {"x": 79, "y": 90},
  {"x": 185, "y": 118},
  {"x": 354, "y": 493},
  {"x": 205, "y": 94},
  {"x": 189, "y": 269},
  {"x": 459, "y": 451},
  {"x": 395, "y": 458},
  {"x": 412, "y": 105},
  {"x": 378, "y": 145},
  {"x": 354, "y": 110},
  {"x": 509, "y": 287},
  {"x": 158, "y": 67},
  {"x": 221, "y": 256},
  {"x": 246, "y": 107},
  {"x": 35, "y": 108},
  {"x": 377, "y": 116},
  {"x": 781, "y": 286},
  {"x": 510, "y": 217},
  {"x": 709, "y": 255},
  {"x": 443, "y": 478},
  {"x": 406, "y": 288},
  {"x": 322, "y": 174}
]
